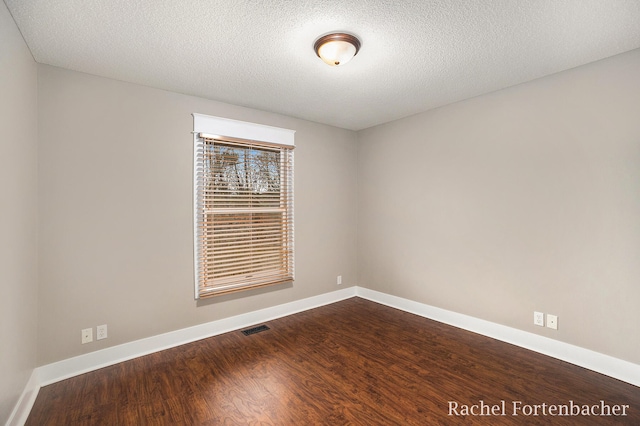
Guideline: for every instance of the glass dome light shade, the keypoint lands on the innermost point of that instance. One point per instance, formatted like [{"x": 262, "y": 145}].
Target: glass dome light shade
[{"x": 337, "y": 49}]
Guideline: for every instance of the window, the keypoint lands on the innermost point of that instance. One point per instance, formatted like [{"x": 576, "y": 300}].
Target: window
[{"x": 243, "y": 190}]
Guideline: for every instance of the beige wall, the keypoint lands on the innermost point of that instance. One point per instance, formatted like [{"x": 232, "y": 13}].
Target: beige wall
[
  {"x": 524, "y": 199},
  {"x": 116, "y": 237},
  {"x": 18, "y": 207}
]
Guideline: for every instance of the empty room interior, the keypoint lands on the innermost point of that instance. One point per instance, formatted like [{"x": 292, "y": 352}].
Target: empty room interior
[{"x": 432, "y": 207}]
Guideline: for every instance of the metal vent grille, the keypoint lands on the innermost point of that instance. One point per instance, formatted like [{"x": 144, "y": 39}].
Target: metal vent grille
[{"x": 255, "y": 330}]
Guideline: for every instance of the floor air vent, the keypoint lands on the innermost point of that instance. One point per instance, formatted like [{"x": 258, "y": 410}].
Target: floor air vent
[{"x": 255, "y": 330}]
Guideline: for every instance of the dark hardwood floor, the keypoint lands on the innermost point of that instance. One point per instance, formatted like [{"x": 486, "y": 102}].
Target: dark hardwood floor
[{"x": 352, "y": 362}]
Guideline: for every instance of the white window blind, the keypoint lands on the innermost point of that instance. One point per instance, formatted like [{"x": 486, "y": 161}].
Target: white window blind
[{"x": 243, "y": 214}]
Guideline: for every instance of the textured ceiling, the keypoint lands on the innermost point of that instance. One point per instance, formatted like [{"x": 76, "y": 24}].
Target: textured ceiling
[{"x": 415, "y": 55}]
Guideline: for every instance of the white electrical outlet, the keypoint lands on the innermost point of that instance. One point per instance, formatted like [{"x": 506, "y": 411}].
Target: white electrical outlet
[
  {"x": 101, "y": 332},
  {"x": 339, "y": 280},
  {"x": 87, "y": 335},
  {"x": 552, "y": 321},
  {"x": 538, "y": 319}
]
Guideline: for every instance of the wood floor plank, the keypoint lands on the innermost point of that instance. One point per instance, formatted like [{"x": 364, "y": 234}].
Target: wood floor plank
[{"x": 353, "y": 362}]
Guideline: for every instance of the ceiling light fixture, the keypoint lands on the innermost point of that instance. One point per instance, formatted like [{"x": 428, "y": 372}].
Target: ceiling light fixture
[{"x": 337, "y": 48}]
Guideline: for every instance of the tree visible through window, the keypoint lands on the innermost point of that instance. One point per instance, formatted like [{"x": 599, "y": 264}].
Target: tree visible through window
[{"x": 244, "y": 215}]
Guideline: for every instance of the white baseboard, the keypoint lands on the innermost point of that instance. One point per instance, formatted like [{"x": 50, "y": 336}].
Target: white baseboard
[
  {"x": 600, "y": 363},
  {"x": 22, "y": 408},
  {"x": 51, "y": 373},
  {"x": 70, "y": 367}
]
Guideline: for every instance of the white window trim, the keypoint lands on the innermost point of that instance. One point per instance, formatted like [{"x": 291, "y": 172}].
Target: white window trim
[{"x": 242, "y": 130}]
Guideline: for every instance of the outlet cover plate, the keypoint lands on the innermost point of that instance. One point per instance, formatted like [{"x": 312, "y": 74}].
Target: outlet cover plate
[
  {"x": 87, "y": 335},
  {"x": 552, "y": 321},
  {"x": 101, "y": 332},
  {"x": 538, "y": 318}
]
